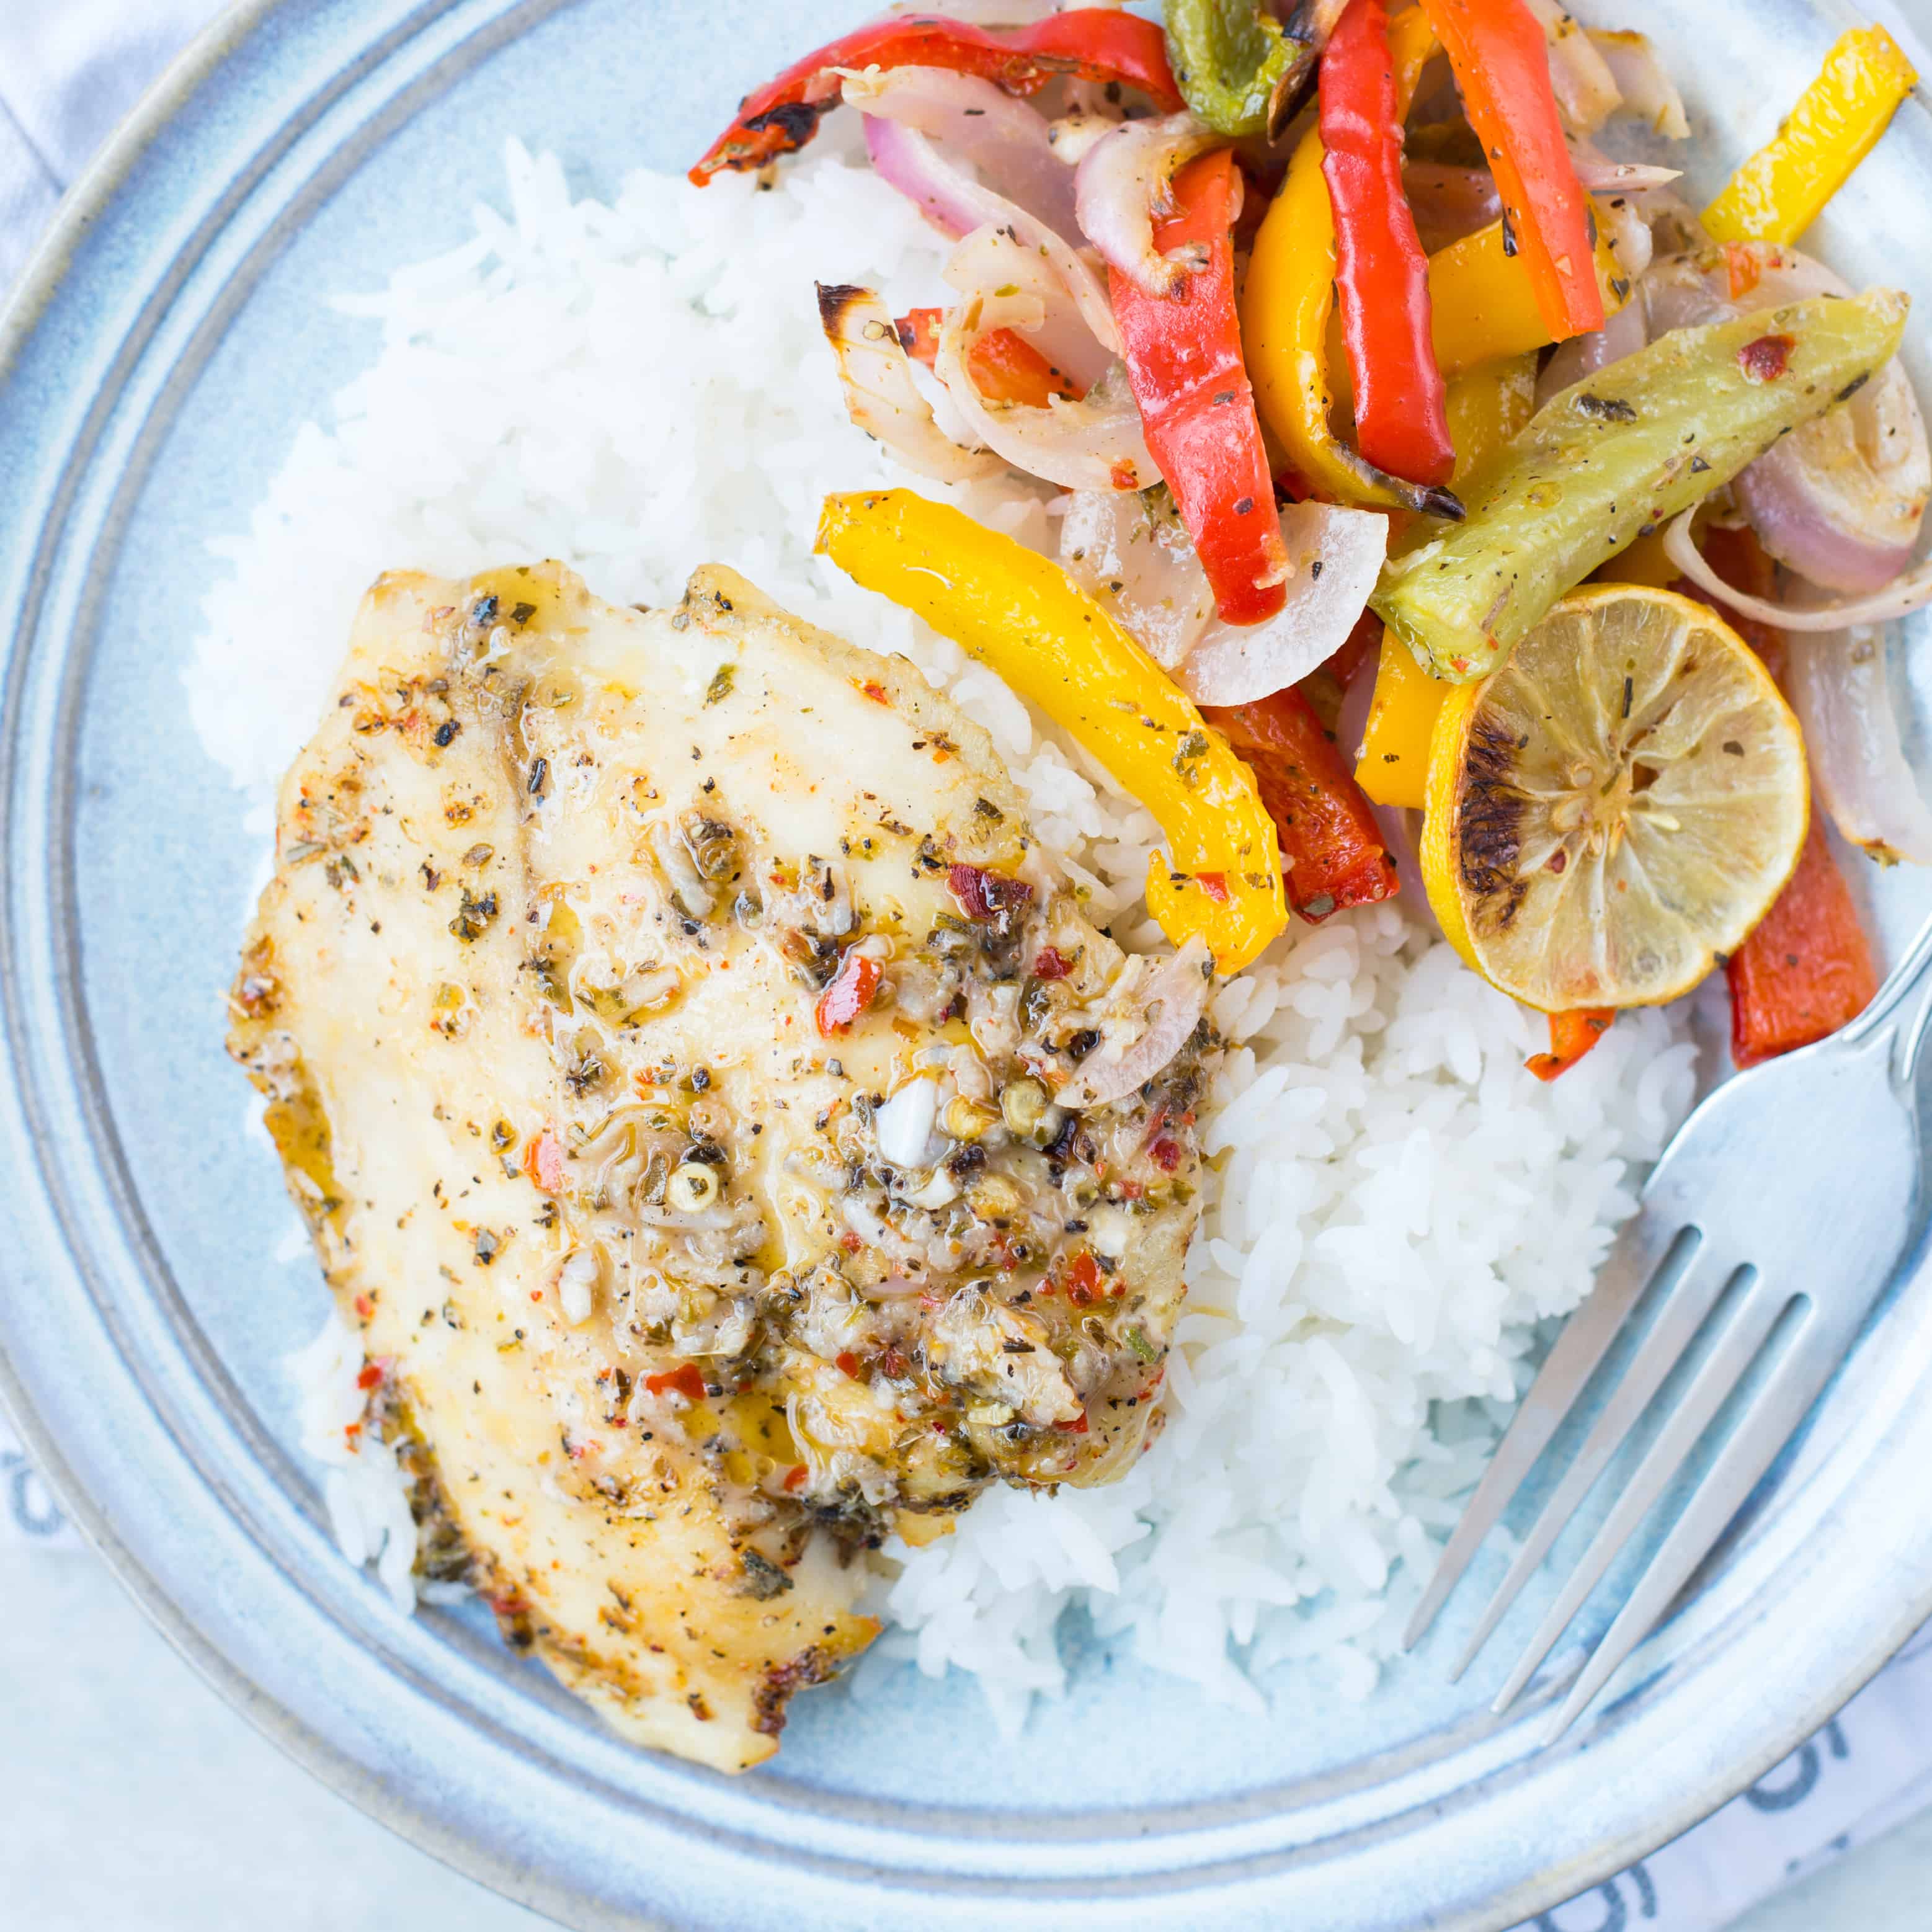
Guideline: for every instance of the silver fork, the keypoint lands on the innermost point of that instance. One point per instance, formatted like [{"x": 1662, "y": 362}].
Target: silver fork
[{"x": 1793, "y": 1186}]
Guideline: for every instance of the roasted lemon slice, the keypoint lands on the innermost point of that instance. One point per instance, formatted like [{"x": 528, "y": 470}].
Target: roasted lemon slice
[{"x": 1615, "y": 806}]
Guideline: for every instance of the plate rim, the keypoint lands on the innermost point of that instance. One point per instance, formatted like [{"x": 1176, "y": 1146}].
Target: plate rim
[{"x": 39, "y": 286}]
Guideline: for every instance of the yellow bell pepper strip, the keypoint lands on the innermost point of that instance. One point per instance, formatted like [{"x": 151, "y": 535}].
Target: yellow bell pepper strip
[
  {"x": 1286, "y": 305},
  {"x": 1624, "y": 451},
  {"x": 1381, "y": 275},
  {"x": 1183, "y": 358},
  {"x": 1393, "y": 767},
  {"x": 1777, "y": 194},
  {"x": 1497, "y": 50},
  {"x": 1021, "y": 615},
  {"x": 1482, "y": 303},
  {"x": 1488, "y": 408}
]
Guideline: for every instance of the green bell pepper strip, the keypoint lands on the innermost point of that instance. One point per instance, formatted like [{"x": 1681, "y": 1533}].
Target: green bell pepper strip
[
  {"x": 1235, "y": 66},
  {"x": 1615, "y": 456}
]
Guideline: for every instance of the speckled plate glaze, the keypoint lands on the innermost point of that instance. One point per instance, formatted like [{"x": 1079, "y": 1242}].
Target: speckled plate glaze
[{"x": 165, "y": 348}]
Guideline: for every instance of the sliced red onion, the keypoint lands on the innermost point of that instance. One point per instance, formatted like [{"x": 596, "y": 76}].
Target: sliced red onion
[
  {"x": 1097, "y": 443},
  {"x": 1005, "y": 140},
  {"x": 1449, "y": 202},
  {"x": 990, "y": 258},
  {"x": 954, "y": 201},
  {"x": 1622, "y": 333},
  {"x": 1337, "y": 554},
  {"x": 1649, "y": 95},
  {"x": 880, "y": 396},
  {"x": 1911, "y": 592},
  {"x": 1719, "y": 284},
  {"x": 1586, "y": 94},
  {"x": 907, "y": 160},
  {"x": 1838, "y": 686},
  {"x": 1133, "y": 555},
  {"x": 1841, "y": 499},
  {"x": 1125, "y": 181},
  {"x": 1174, "y": 996},
  {"x": 1602, "y": 175}
]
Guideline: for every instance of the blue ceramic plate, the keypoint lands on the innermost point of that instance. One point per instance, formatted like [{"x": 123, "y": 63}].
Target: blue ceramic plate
[{"x": 163, "y": 352}]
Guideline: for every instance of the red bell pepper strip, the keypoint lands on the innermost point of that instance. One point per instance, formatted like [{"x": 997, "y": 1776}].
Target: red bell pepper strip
[
  {"x": 1092, "y": 43},
  {"x": 1806, "y": 968},
  {"x": 1571, "y": 1036},
  {"x": 1331, "y": 848},
  {"x": 1502, "y": 64},
  {"x": 1007, "y": 367},
  {"x": 1381, "y": 275},
  {"x": 853, "y": 989},
  {"x": 1183, "y": 357}
]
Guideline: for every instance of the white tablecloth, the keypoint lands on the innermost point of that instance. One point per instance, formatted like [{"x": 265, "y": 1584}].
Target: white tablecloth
[{"x": 69, "y": 69}]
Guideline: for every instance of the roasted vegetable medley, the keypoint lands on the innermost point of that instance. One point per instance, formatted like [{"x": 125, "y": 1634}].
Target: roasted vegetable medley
[{"x": 1447, "y": 504}]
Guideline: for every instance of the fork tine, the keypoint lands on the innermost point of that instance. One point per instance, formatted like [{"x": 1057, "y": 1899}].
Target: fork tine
[
  {"x": 1773, "y": 1417},
  {"x": 1694, "y": 1293},
  {"x": 1736, "y": 1348},
  {"x": 1647, "y": 1244}
]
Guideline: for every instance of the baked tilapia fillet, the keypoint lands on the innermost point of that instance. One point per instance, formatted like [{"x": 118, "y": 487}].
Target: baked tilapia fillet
[{"x": 729, "y": 1134}]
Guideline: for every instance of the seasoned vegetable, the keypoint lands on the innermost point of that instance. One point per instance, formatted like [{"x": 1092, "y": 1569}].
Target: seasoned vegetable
[
  {"x": 1393, "y": 767},
  {"x": 1007, "y": 367},
  {"x": 1615, "y": 807},
  {"x": 1381, "y": 276},
  {"x": 1234, "y": 63},
  {"x": 1777, "y": 194},
  {"x": 1285, "y": 306},
  {"x": 1183, "y": 356},
  {"x": 1331, "y": 848},
  {"x": 1022, "y": 615},
  {"x": 1807, "y": 968},
  {"x": 1501, "y": 64},
  {"x": 1618, "y": 453},
  {"x": 1093, "y": 43},
  {"x": 1571, "y": 1036},
  {"x": 1483, "y": 303}
]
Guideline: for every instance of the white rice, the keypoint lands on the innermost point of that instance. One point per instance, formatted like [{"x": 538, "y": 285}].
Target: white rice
[{"x": 1395, "y": 1204}]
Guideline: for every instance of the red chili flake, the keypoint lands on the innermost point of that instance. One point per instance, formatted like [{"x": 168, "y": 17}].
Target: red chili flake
[
  {"x": 851, "y": 1243},
  {"x": 1741, "y": 269},
  {"x": 794, "y": 1476},
  {"x": 873, "y": 689},
  {"x": 365, "y": 1307},
  {"x": 848, "y": 1363},
  {"x": 1078, "y": 1426},
  {"x": 1767, "y": 358},
  {"x": 986, "y": 896},
  {"x": 1166, "y": 1153},
  {"x": 685, "y": 1381},
  {"x": 370, "y": 1376},
  {"x": 892, "y": 1362},
  {"x": 1123, "y": 475},
  {"x": 1083, "y": 1278},
  {"x": 1048, "y": 964},
  {"x": 851, "y": 992},
  {"x": 543, "y": 1162},
  {"x": 536, "y": 1294},
  {"x": 1214, "y": 884},
  {"x": 353, "y": 1430}
]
